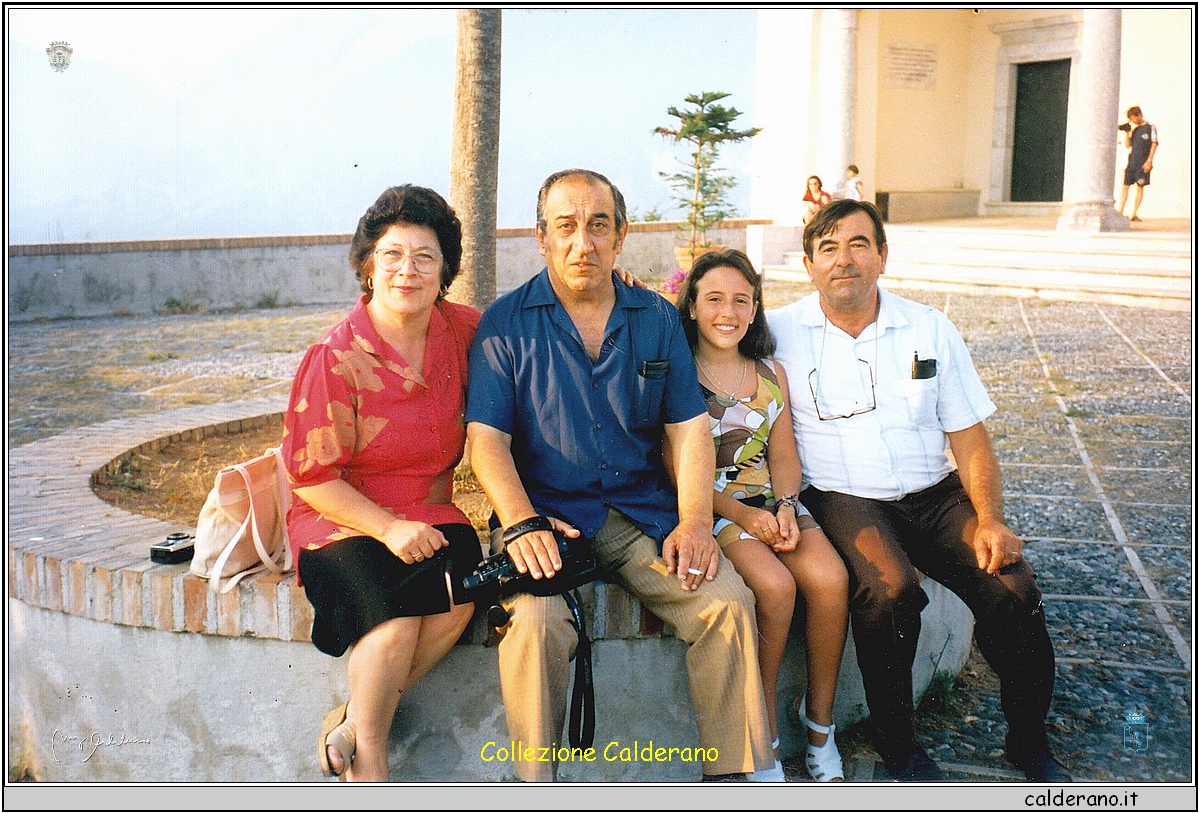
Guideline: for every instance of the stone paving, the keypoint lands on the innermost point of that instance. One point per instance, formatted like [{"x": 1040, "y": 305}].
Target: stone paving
[{"x": 1094, "y": 433}]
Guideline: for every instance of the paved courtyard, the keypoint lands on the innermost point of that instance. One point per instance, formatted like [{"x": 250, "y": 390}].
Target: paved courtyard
[{"x": 1094, "y": 432}]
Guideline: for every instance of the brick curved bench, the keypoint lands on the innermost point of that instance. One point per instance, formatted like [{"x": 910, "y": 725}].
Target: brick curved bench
[{"x": 127, "y": 670}]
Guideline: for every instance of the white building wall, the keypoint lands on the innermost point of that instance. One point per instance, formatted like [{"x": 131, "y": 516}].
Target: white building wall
[
  {"x": 781, "y": 156},
  {"x": 1158, "y": 73},
  {"x": 943, "y": 136}
]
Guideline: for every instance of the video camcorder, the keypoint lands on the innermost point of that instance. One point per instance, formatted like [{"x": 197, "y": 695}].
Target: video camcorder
[{"x": 498, "y": 577}]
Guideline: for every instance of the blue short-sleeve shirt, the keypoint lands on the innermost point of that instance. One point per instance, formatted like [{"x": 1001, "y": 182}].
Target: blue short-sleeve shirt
[{"x": 586, "y": 436}]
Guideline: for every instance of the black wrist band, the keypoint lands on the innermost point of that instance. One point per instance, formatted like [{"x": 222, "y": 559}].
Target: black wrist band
[{"x": 535, "y": 523}]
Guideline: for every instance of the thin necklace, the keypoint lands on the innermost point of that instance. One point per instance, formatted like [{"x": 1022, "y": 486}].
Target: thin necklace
[{"x": 708, "y": 374}]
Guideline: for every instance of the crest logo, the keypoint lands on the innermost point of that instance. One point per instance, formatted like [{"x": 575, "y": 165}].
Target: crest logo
[
  {"x": 60, "y": 55},
  {"x": 1137, "y": 732}
]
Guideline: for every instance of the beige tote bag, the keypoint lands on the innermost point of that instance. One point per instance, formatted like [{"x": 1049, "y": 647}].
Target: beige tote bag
[{"x": 242, "y": 528}]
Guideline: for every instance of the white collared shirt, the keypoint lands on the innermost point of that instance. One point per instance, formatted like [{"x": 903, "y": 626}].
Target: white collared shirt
[{"x": 900, "y": 446}]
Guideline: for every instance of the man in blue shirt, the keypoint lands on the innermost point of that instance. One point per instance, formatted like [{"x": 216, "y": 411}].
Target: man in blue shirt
[{"x": 574, "y": 381}]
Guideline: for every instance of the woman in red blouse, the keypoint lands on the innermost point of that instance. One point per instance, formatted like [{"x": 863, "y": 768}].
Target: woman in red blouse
[
  {"x": 372, "y": 435},
  {"x": 814, "y": 198}
]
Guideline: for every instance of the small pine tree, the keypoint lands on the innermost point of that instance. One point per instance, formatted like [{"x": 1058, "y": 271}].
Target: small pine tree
[{"x": 703, "y": 190}]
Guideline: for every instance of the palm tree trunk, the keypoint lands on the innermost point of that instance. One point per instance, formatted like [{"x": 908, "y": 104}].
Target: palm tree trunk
[{"x": 475, "y": 153}]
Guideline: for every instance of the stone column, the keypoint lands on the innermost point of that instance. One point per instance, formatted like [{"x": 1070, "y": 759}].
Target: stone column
[
  {"x": 784, "y": 92},
  {"x": 835, "y": 95},
  {"x": 1092, "y": 127}
]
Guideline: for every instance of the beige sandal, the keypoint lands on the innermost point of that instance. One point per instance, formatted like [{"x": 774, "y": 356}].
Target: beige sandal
[{"x": 338, "y": 733}]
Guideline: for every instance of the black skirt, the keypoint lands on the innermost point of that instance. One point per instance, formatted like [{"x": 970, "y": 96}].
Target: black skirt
[{"x": 357, "y": 583}]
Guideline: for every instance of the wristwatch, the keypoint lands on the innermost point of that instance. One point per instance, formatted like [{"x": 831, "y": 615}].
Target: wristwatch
[
  {"x": 799, "y": 508},
  {"x": 535, "y": 523}
]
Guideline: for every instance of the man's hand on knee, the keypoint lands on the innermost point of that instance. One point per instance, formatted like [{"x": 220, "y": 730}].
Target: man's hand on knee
[
  {"x": 996, "y": 546},
  {"x": 691, "y": 553},
  {"x": 536, "y": 553}
]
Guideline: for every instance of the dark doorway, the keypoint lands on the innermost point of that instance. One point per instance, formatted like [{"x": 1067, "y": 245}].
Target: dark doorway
[{"x": 1040, "y": 131}]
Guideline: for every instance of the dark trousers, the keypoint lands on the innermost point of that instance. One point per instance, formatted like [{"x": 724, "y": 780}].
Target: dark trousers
[{"x": 884, "y": 543}]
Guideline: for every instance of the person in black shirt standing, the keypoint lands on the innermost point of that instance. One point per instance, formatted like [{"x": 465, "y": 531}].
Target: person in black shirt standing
[{"x": 1141, "y": 137}]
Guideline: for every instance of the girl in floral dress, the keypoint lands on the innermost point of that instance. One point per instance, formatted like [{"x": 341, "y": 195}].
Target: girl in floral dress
[{"x": 762, "y": 527}]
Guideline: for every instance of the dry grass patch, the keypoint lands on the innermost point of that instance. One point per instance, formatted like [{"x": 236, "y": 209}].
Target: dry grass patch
[{"x": 172, "y": 483}]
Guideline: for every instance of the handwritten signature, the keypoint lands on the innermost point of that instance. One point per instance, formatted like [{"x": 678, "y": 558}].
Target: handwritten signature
[{"x": 88, "y": 744}]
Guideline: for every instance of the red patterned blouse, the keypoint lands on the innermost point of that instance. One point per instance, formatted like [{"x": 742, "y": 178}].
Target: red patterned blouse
[{"x": 360, "y": 412}]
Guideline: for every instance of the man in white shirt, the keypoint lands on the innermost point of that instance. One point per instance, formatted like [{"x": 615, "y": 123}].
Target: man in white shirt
[{"x": 881, "y": 386}]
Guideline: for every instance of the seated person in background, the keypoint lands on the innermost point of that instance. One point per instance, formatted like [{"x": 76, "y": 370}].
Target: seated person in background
[
  {"x": 891, "y": 385},
  {"x": 372, "y": 434},
  {"x": 814, "y": 198},
  {"x": 763, "y": 528},
  {"x": 574, "y": 382}
]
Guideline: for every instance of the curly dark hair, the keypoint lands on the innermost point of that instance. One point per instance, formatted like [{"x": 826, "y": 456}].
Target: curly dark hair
[
  {"x": 407, "y": 204},
  {"x": 759, "y": 342}
]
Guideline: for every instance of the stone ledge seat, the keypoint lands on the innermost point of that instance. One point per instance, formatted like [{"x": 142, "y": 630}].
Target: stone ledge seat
[{"x": 125, "y": 670}]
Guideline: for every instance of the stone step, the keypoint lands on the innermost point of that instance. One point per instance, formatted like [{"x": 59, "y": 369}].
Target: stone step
[
  {"x": 1138, "y": 291},
  {"x": 1170, "y": 257},
  {"x": 1149, "y": 270},
  {"x": 1159, "y": 267}
]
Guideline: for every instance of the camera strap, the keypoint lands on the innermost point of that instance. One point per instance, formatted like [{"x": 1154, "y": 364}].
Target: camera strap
[{"x": 582, "y": 727}]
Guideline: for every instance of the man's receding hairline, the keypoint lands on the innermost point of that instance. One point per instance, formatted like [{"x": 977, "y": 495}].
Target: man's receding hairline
[{"x": 591, "y": 182}]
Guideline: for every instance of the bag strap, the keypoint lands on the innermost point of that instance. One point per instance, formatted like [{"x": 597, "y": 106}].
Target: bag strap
[
  {"x": 215, "y": 578},
  {"x": 253, "y": 515},
  {"x": 582, "y": 728},
  {"x": 270, "y": 562},
  {"x": 285, "y": 503}
]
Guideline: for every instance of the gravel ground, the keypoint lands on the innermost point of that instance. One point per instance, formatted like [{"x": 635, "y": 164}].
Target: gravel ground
[{"x": 1134, "y": 427}]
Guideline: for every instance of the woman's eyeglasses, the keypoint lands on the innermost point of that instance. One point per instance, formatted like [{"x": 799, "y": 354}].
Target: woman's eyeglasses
[{"x": 425, "y": 261}]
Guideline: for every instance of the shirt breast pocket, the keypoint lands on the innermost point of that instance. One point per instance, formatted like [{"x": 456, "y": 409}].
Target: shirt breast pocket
[
  {"x": 648, "y": 399},
  {"x": 920, "y": 396}
]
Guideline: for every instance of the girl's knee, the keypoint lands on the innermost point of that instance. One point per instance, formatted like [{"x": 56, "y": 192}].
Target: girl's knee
[
  {"x": 823, "y": 575},
  {"x": 776, "y": 591}
]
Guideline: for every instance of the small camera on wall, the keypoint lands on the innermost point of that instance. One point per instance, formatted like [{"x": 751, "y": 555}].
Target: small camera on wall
[{"x": 177, "y": 547}]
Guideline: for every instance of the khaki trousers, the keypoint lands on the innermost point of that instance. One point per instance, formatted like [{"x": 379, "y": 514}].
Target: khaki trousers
[{"x": 716, "y": 621}]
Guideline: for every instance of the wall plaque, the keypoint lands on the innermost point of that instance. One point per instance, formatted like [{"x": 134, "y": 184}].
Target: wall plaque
[{"x": 910, "y": 65}]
